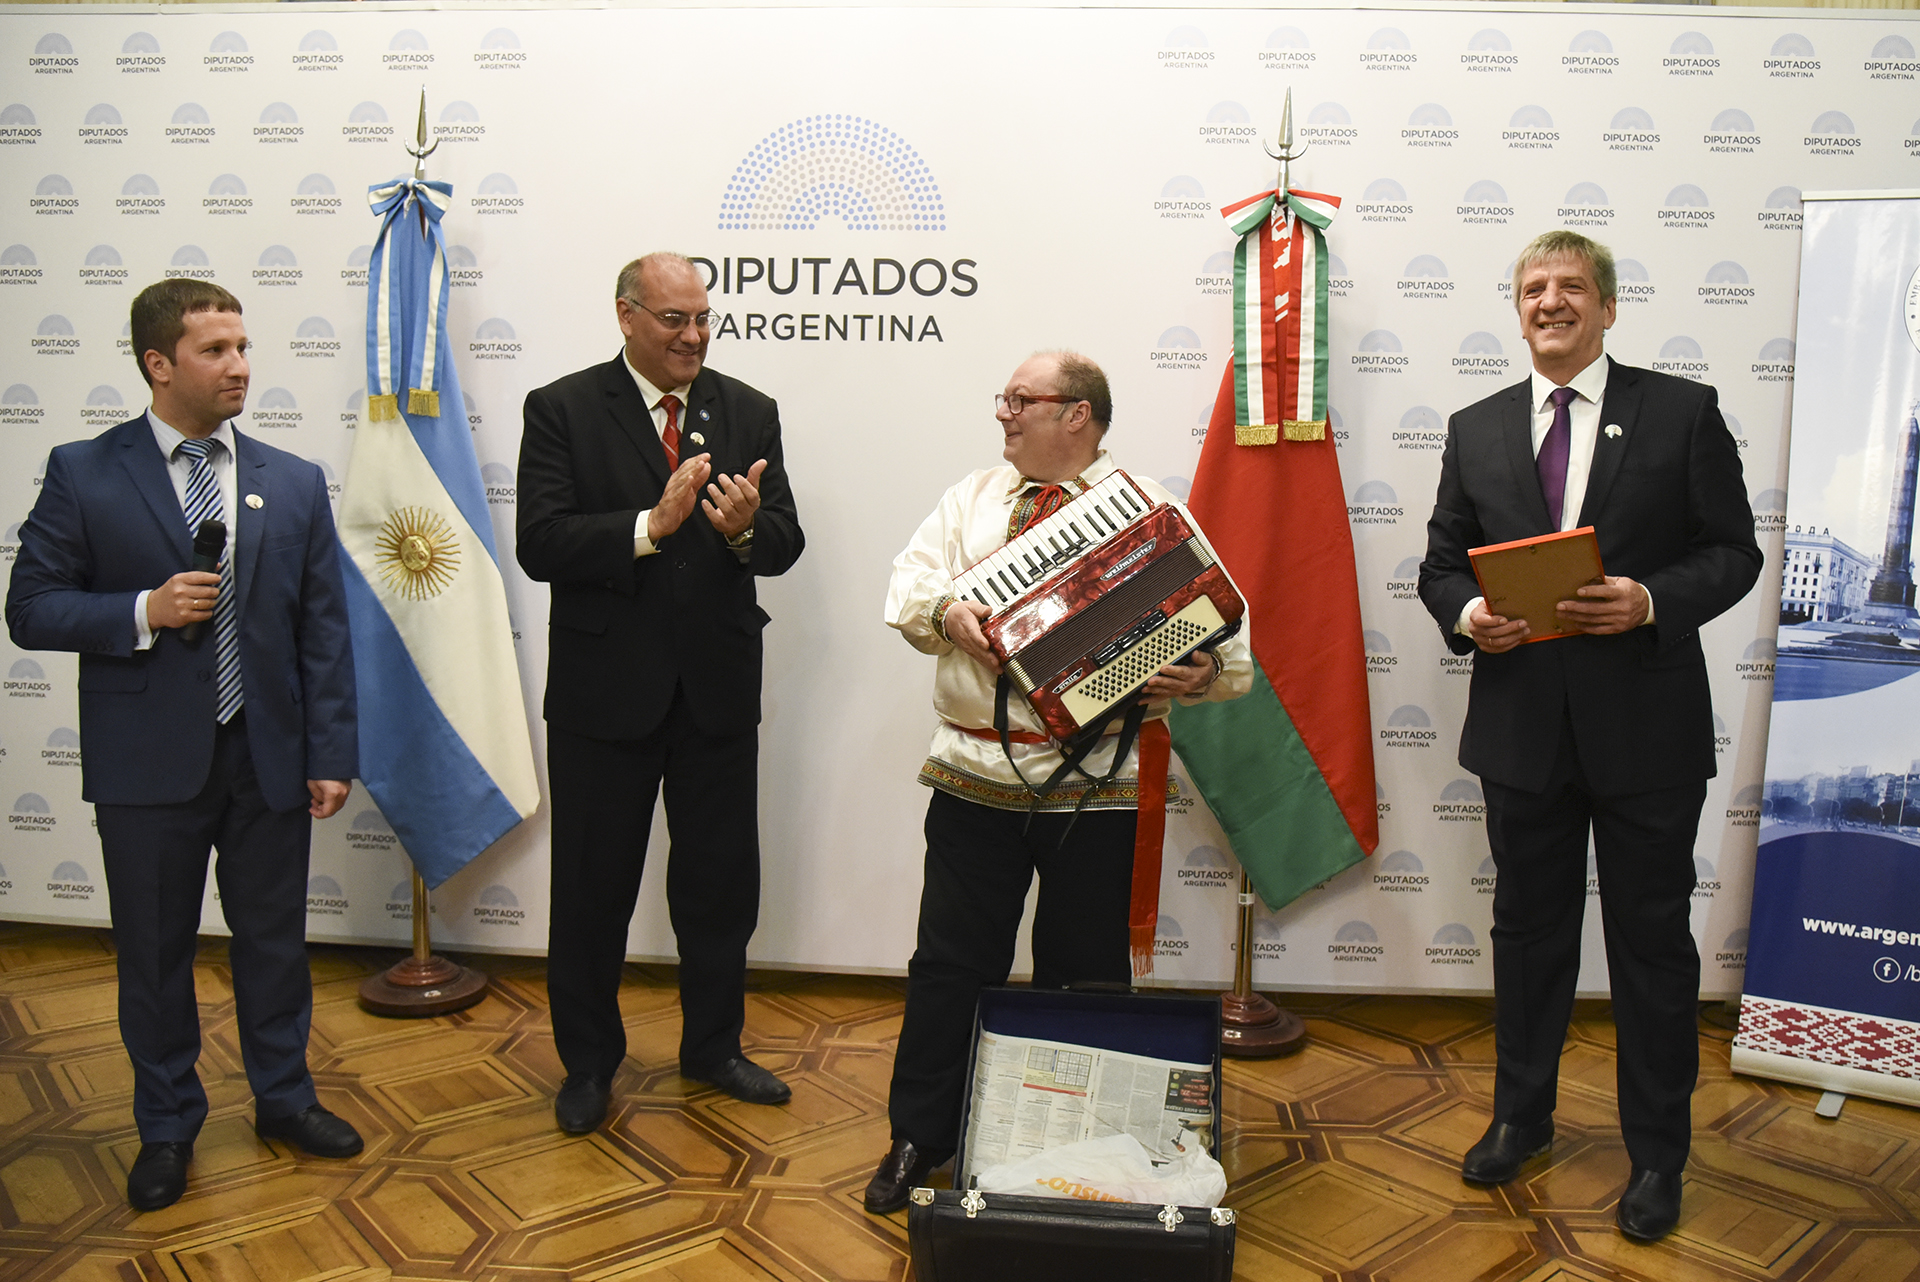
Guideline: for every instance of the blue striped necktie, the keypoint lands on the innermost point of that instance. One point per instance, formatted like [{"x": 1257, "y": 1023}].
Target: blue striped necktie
[{"x": 203, "y": 504}]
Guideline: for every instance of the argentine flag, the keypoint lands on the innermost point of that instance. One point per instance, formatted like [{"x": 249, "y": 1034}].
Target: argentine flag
[{"x": 444, "y": 748}]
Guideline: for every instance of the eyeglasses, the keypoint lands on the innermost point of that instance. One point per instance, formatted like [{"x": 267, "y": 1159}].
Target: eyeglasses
[
  {"x": 675, "y": 321},
  {"x": 1016, "y": 402}
]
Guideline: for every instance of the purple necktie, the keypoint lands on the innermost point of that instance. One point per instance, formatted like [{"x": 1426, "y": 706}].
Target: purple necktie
[{"x": 1553, "y": 453}]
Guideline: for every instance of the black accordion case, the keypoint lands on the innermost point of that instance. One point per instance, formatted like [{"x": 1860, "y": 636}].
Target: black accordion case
[{"x": 965, "y": 1235}]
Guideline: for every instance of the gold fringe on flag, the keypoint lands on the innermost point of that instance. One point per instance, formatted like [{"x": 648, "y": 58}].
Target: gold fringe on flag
[
  {"x": 1258, "y": 434},
  {"x": 423, "y": 401},
  {"x": 1312, "y": 429},
  {"x": 381, "y": 409}
]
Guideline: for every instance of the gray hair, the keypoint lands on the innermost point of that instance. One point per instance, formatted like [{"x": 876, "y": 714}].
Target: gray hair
[
  {"x": 1567, "y": 244},
  {"x": 1083, "y": 380}
]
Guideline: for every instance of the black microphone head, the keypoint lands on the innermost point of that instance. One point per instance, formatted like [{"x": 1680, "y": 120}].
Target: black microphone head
[{"x": 210, "y": 539}]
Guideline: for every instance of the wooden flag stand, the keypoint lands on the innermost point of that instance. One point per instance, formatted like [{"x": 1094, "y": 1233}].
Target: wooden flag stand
[
  {"x": 422, "y": 984},
  {"x": 1251, "y": 1027}
]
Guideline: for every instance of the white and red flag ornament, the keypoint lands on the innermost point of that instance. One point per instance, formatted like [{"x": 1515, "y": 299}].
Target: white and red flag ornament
[{"x": 1280, "y": 316}]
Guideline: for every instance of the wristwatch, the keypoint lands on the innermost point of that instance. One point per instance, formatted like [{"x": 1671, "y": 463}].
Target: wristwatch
[{"x": 742, "y": 540}]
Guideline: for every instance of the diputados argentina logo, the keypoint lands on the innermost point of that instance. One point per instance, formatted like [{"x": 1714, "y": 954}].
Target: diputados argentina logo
[{"x": 806, "y": 176}]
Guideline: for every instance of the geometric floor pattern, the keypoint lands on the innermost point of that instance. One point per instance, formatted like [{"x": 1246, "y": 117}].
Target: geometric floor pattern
[{"x": 1343, "y": 1159}]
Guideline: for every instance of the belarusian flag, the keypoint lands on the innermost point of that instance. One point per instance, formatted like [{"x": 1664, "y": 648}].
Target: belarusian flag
[{"x": 1288, "y": 768}]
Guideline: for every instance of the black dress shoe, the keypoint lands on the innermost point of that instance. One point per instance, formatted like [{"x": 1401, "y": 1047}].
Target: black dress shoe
[
  {"x": 313, "y": 1129},
  {"x": 904, "y": 1168},
  {"x": 1503, "y": 1150},
  {"x": 582, "y": 1103},
  {"x": 745, "y": 1080},
  {"x": 1651, "y": 1205},
  {"x": 159, "y": 1175}
]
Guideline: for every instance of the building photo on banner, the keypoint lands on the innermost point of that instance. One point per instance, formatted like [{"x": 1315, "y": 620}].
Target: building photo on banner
[{"x": 887, "y": 233}]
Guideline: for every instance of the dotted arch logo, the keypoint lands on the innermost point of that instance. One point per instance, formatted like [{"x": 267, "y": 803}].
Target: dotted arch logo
[
  {"x": 1453, "y": 945},
  {"x": 326, "y": 897},
  {"x": 832, "y": 166},
  {"x": 499, "y": 906}
]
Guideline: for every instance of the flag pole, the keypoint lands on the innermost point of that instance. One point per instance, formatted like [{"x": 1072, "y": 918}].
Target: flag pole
[
  {"x": 422, "y": 984},
  {"x": 1252, "y": 1027}
]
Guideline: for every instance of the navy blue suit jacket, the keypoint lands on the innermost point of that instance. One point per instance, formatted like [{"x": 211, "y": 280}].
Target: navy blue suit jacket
[
  {"x": 106, "y": 527},
  {"x": 1668, "y": 504}
]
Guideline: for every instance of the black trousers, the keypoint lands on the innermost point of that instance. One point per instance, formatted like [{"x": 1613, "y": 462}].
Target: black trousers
[
  {"x": 978, "y": 870},
  {"x": 1643, "y": 852},
  {"x": 156, "y": 865},
  {"x": 603, "y": 798}
]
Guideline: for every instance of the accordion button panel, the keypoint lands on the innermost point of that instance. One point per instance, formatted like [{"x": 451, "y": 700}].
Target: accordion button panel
[{"x": 1094, "y": 694}]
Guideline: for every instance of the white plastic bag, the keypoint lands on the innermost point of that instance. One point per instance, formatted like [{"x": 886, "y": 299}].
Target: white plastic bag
[{"x": 1114, "y": 1168}]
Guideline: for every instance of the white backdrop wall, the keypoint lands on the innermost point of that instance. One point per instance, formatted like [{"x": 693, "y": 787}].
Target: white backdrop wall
[{"x": 938, "y": 193}]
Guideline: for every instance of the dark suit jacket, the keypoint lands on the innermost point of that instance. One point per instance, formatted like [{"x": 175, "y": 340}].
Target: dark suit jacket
[
  {"x": 106, "y": 527},
  {"x": 1669, "y": 507},
  {"x": 624, "y": 630}
]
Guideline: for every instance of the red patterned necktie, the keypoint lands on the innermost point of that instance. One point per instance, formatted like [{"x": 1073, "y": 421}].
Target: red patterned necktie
[
  {"x": 671, "y": 436},
  {"x": 1036, "y": 505}
]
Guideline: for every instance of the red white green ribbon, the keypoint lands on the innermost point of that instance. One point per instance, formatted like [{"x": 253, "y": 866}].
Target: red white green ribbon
[{"x": 1280, "y": 316}]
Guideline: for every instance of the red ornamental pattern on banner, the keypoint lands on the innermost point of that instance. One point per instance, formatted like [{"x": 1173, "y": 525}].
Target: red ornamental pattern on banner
[{"x": 1843, "y": 1039}]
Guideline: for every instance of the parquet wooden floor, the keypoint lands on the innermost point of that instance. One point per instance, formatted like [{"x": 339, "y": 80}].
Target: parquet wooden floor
[{"x": 1344, "y": 1159}]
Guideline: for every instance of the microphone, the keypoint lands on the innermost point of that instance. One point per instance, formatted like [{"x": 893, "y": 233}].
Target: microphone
[{"x": 208, "y": 543}]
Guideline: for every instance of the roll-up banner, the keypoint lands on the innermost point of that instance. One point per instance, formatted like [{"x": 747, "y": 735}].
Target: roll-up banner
[
  {"x": 1833, "y": 956},
  {"x": 897, "y": 206}
]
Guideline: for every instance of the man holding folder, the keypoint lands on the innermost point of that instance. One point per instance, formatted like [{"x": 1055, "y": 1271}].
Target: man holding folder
[{"x": 1608, "y": 729}]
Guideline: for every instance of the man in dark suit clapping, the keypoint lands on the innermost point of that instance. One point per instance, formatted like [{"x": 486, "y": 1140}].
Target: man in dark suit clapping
[
  {"x": 1609, "y": 731},
  {"x": 216, "y": 710},
  {"x": 652, "y": 492}
]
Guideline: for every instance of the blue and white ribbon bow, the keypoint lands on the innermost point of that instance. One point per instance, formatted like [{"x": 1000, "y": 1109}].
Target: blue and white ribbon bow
[{"x": 388, "y": 315}]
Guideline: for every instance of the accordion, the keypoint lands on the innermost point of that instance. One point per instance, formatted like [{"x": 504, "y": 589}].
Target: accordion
[{"x": 1088, "y": 604}]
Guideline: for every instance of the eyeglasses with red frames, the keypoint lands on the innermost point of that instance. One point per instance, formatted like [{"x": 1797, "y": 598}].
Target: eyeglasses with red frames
[{"x": 1014, "y": 402}]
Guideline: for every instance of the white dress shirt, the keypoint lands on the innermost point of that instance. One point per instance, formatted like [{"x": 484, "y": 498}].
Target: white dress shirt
[
  {"x": 1590, "y": 387},
  {"x": 642, "y": 545},
  {"x": 179, "y": 468}
]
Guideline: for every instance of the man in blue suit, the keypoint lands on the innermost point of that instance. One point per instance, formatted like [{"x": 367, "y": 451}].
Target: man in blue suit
[{"x": 216, "y": 710}]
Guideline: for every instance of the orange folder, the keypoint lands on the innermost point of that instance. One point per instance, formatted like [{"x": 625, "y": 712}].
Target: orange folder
[{"x": 1526, "y": 578}]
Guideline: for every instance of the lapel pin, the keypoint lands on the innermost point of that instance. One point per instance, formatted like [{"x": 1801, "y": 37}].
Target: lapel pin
[
  {"x": 696, "y": 438},
  {"x": 705, "y": 417},
  {"x": 255, "y": 501},
  {"x": 1612, "y": 430}
]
